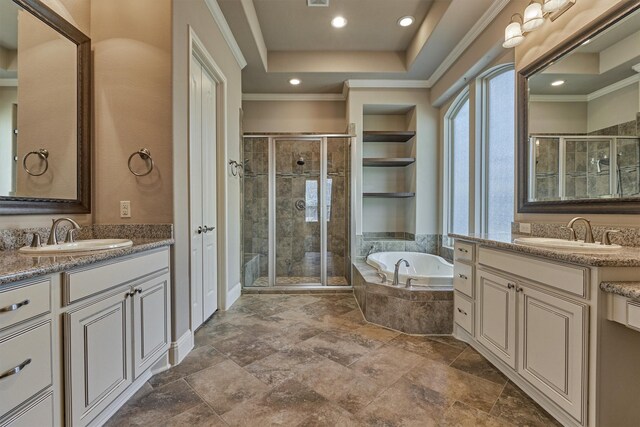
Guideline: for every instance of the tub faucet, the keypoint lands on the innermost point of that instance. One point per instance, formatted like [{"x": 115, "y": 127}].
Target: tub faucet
[
  {"x": 395, "y": 272},
  {"x": 368, "y": 253},
  {"x": 588, "y": 233},
  {"x": 53, "y": 238}
]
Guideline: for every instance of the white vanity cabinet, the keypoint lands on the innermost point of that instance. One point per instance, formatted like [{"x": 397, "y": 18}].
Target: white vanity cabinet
[
  {"x": 532, "y": 321},
  {"x": 115, "y": 335}
]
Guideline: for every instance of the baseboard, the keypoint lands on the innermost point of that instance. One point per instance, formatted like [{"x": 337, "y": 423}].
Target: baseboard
[
  {"x": 121, "y": 400},
  {"x": 179, "y": 349},
  {"x": 232, "y": 295}
]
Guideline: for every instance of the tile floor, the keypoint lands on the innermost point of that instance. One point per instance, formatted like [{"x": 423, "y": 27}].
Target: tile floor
[{"x": 311, "y": 360}]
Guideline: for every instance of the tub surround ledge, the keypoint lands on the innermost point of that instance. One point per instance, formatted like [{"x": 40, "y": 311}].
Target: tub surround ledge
[
  {"x": 412, "y": 311},
  {"x": 626, "y": 257},
  {"x": 625, "y": 289}
]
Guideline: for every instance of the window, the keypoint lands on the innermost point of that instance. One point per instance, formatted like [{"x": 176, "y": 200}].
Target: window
[
  {"x": 457, "y": 163},
  {"x": 498, "y": 150}
]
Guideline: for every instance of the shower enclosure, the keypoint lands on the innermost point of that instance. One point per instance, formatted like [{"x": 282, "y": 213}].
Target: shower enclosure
[{"x": 296, "y": 210}]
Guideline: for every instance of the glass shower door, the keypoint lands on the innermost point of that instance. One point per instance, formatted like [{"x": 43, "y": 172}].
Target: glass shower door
[{"x": 298, "y": 235}]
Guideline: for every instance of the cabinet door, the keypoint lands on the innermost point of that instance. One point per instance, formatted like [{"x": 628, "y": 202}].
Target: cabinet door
[
  {"x": 552, "y": 345},
  {"x": 496, "y": 315},
  {"x": 97, "y": 356},
  {"x": 151, "y": 322}
]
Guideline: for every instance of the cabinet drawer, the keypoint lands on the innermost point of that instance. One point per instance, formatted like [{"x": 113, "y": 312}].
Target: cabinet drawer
[
  {"x": 463, "y": 278},
  {"x": 560, "y": 276},
  {"x": 24, "y": 303},
  {"x": 25, "y": 360},
  {"x": 463, "y": 251},
  {"x": 463, "y": 312},
  {"x": 39, "y": 413},
  {"x": 633, "y": 314},
  {"x": 80, "y": 284}
]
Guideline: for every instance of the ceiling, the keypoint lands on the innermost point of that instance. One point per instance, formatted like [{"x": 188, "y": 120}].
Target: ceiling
[
  {"x": 282, "y": 39},
  {"x": 8, "y": 25}
]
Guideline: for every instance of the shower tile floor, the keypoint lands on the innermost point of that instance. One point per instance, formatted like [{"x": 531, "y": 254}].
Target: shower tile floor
[{"x": 312, "y": 360}]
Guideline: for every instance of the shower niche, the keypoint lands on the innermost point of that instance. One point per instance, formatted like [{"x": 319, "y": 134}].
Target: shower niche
[{"x": 296, "y": 211}]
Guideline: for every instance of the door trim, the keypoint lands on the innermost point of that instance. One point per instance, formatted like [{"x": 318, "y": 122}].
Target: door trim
[{"x": 197, "y": 48}]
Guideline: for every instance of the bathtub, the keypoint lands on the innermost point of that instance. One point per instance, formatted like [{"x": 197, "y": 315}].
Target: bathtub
[{"x": 427, "y": 271}]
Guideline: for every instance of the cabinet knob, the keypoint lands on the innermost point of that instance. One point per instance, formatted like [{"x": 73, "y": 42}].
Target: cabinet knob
[
  {"x": 15, "y": 370},
  {"x": 462, "y": 276},
  {"x": 14, "y": 307},
  {"x": 462, "y": 311},
  {"x": 138, "y": 290},
  {"x": 519, "y": 289},
  {"x": 199, "y": 230},
  {"x": 463, "y": 250},
  {"x": 510, "y": 285}
]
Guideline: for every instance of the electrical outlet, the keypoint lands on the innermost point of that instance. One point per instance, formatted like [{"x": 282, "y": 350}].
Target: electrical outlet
[
  {"x": 525, "y": 228},
  {"x": 125, "y": 209}
]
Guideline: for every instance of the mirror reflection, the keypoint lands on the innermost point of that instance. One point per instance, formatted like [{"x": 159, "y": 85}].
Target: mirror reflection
[
  {"x": 584, "y": 120},
  {"x": 38, "y": 108}
]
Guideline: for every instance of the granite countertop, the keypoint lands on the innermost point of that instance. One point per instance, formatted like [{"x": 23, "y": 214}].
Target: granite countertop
[
  {"x": 15, "y": 266},
  {"x": 627, "y": 257},
  {"x": 626, "y": 289}
]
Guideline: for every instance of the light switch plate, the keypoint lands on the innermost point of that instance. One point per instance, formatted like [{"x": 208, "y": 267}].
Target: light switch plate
[
  {"x": 125, "y": 209},
  {"x": 525, "y": 227}
]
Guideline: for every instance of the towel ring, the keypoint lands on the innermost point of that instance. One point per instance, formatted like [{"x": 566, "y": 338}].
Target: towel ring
[
  {"x": 145, "y": 154},
  {"x": 43, "y": 154}
]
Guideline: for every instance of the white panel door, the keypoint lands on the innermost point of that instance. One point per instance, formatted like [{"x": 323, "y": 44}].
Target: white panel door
[
  {"x": 203, "y": 195},
  {"x": 496, "y": 315},
  {"x": 209, "y": 252},
  {"x": 552, "y": 343},
  {"x": 195, "y": 191}
]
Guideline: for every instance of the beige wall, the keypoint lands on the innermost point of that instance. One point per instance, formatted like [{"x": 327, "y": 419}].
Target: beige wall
[
  {"x": 132, "y": 101},
  {"x": 194, "y": 14},
  {"x": 558, "y": 117},
  {"x": 614, "y": 108},
  {"x": 294, "y": 116}
]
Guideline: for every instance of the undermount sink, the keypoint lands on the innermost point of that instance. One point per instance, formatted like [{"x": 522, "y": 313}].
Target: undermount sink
[
  {"x": 568, "y": 245},
  {"x": 79, "y": 246}
]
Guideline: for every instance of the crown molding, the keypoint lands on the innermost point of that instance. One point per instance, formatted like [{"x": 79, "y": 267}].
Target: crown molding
[
  {"x": 614, "y": 87},
  {"x": 8, "y": 82},
  {"x": 218, "y": 16},
  {"x": 475, "y": 31},
  {"x": 293, "y": 97},
  {"x": 387, "y": 84}
]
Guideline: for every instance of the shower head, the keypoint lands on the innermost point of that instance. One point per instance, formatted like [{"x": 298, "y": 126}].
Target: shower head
[{"x": 300, "y": 161}]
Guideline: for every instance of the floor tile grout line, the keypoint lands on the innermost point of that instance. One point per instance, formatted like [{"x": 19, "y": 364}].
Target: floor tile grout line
[
  {"x": 207, "y": 403},
  {"x": 498, "y": 398}
]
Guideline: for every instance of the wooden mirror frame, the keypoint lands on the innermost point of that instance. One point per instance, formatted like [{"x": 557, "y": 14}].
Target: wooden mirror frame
[
  {"x": 623, "y": 205},
  {"x": 10, "y": 205}
]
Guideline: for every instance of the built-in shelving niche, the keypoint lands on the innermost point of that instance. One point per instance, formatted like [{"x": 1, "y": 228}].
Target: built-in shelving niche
[{"x": 389, "y": 162}]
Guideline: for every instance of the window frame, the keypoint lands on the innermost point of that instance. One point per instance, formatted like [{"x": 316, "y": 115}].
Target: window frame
[
  {"x": 482, "y": 152},
  {"x": 455, "y": 107}
]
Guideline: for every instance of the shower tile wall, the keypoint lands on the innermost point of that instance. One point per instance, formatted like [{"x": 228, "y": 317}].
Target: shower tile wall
[
  {"x": 338, "y": 161},
  {"x": 629, "y": 167},
  {"x": 547, "y": 169},
  {"x": 576, "y": 169},
  {"x": 255, "y": 199}
]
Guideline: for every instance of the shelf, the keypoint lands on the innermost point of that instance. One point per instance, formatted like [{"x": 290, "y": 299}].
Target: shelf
[
  {"x": 386, "y": 136},
  {"x": 389, "y": 195},
  {"x": 388, "y": 161}
]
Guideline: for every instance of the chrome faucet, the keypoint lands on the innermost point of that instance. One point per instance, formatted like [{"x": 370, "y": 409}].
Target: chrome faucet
[
  {"x": 588, "y": 234},
  {"x": 395, "y": 272},
  {"x": 53, "y": 238},
  {"x": 368, "y": 253}
]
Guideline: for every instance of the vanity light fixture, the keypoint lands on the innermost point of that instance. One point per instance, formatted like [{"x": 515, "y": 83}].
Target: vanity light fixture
[
  {"x": 406, "y": 21},
  {"x": 534, "y": 17},
  {"x": 551, "y": 6},
  {"x": 557, "y": 83},
  {"x": 295, "y": 82},
  {"x": 339, "y": 22},
  {"x": 513, "y": 33}
]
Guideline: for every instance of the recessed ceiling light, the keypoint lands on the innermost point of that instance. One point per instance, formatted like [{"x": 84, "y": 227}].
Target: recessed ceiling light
[
  {"x": 586, "y": 42},
  {"x": 557, "y": 83},
  {"x": 294, "y": 82},
  {"x": 405, "y": 21},
  {"x": 339, "y": 22}
]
